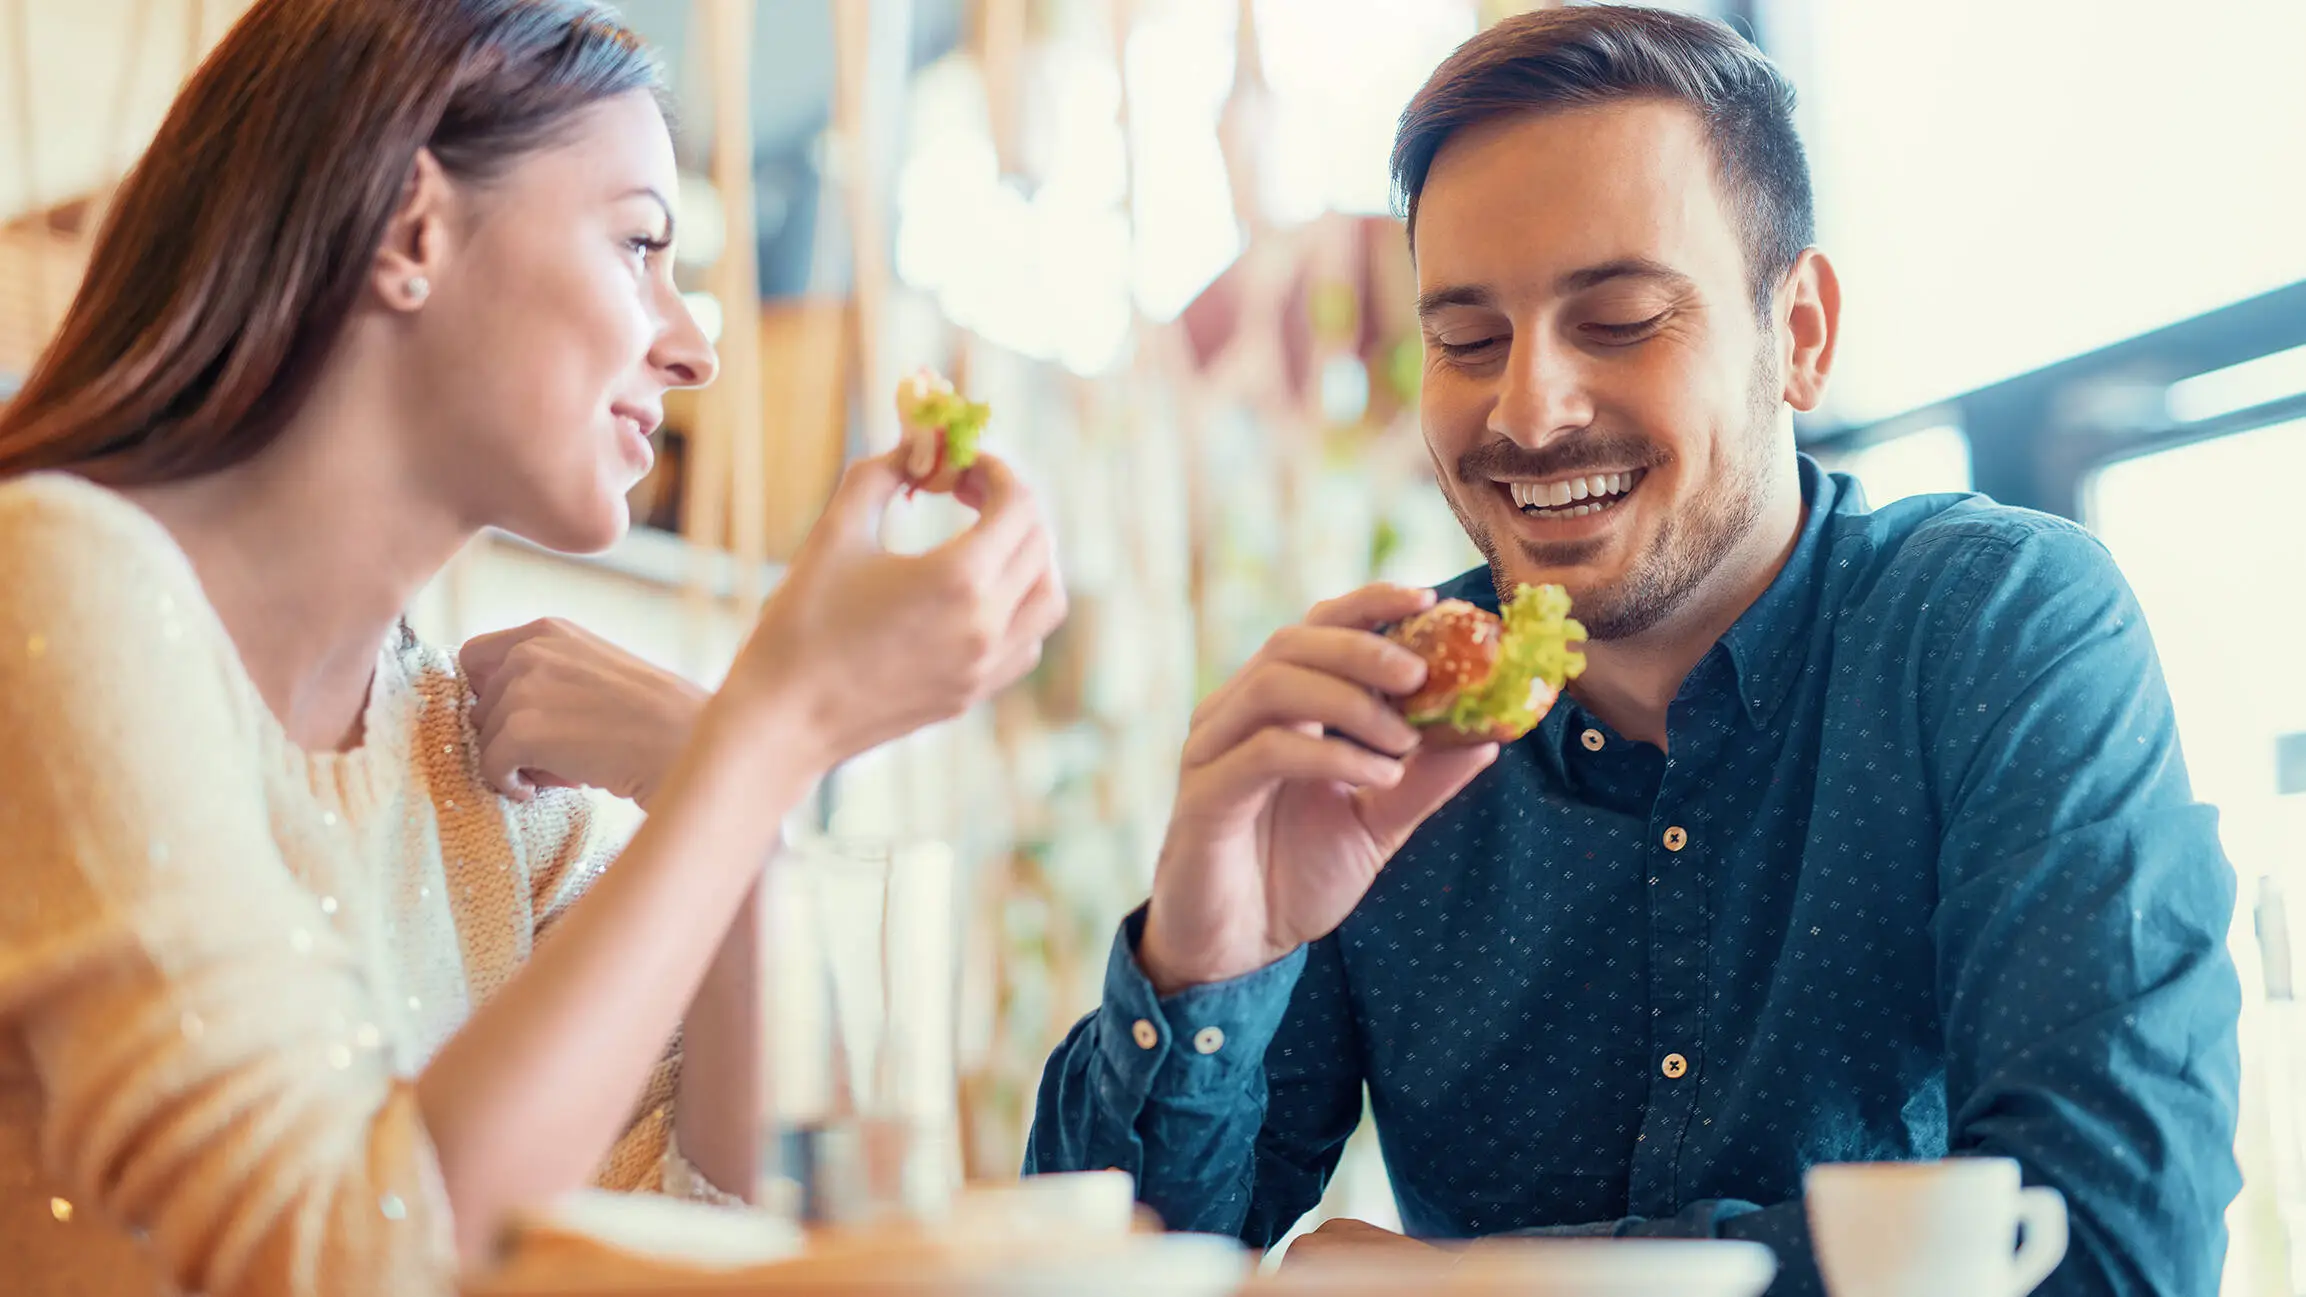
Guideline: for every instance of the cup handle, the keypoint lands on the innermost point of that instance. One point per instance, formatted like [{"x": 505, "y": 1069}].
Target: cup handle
[{"x": 2042, "y": 1214}]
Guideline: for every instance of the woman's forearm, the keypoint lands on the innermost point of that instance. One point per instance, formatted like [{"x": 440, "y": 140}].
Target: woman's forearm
[
  {"x": 523, "y": 1101},
  {"x": 717, "y": 1108}
]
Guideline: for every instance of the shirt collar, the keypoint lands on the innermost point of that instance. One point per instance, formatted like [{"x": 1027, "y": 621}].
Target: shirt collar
[{"x": 1767, "y": 644}]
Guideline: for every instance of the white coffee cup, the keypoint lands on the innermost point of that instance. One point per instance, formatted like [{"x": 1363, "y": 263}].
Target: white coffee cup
[{"x": 1928, "y": 1229}]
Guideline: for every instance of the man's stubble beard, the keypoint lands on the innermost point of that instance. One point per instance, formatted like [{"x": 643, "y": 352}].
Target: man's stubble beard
[{"x": 1687, "y": 548}]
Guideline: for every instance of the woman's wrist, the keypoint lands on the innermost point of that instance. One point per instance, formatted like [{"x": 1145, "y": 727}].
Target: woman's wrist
[
  {"x": 682, "y": 708},
  {"x": 748, "y": 763},
  {"x": 777, "y": 718}
]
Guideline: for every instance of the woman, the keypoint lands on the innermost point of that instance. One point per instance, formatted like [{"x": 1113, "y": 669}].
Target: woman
[{"x": 270, "y": 1016}]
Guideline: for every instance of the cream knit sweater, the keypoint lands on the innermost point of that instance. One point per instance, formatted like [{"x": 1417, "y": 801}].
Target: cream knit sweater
[{"x": 224, "y": 959}]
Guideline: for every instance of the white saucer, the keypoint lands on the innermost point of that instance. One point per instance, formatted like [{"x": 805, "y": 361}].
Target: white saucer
[{"x": 1551, "y": 1268}]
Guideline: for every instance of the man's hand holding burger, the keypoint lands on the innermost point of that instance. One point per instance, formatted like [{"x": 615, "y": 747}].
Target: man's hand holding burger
[{"x": 1301, "y": 775}]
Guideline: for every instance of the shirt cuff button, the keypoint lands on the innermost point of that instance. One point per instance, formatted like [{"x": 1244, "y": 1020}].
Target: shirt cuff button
[
  {"x": 1144, "y": 1034},
  {"x": 1208, "y": 1040}
]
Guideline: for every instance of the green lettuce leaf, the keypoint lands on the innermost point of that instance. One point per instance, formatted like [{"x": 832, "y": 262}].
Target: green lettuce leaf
[
  {"x": 962, "y": 419},
  {"x": 1535, "y": 646}
]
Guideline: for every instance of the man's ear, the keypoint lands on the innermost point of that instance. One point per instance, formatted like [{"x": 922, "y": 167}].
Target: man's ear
[
  {"x": 1809, "y": 320},
  {"x": 409, "y": 260}
]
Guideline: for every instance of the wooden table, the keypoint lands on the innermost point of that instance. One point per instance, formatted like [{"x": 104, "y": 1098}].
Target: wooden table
[{"x": 1029, "y": 1245}]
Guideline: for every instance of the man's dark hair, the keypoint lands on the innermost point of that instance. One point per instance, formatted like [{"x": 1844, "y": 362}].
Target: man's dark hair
[{"x": 1555, "y": 59}]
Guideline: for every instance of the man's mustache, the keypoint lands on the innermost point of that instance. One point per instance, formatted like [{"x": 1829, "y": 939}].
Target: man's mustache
[{"x": 1590, "y": 453}]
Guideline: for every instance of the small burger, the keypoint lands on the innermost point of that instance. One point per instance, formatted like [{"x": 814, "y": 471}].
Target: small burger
[
  {"x": 1490, "y": 678},
  {"x": 941, "y": 428}
]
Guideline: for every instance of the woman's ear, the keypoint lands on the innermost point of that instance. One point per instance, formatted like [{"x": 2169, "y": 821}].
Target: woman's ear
[{"x": 408, "y": 261}]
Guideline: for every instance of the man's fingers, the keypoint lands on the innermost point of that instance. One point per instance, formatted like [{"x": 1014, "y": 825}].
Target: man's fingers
[
  {"x": 1286, "y": 694},
  {"x": 1344, "y": 1241},
  {"x": 1335, "y": 639},
  {"x": 1429, "y": 779},
  {"x": 1275, "y": 755},
  {"x": 1371, "y": 661},
  {"x": 1371, "y": 606}
]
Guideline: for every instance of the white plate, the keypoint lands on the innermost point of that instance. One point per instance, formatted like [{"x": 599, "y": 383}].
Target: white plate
[
  {"x": 670, "y": 1230},
  {"x": 1143, "y": 1265},
  {"x": 1072, "y": 1203},
  {"x": 1556, "y": 1268}
]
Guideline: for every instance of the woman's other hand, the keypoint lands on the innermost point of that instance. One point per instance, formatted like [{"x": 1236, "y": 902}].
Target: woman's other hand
[{"x": 559, "y": 705}]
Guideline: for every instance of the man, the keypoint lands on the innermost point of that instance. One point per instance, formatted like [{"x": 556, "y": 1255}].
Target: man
[{"x": 1864, "y": 836}]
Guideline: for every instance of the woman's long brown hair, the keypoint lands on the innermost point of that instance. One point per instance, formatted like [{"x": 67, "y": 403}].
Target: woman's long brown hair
[{"x": 238, "y": 245}]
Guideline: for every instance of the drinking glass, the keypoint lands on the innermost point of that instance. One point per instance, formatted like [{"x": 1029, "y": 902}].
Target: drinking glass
[{"x": 860, "y": 975}]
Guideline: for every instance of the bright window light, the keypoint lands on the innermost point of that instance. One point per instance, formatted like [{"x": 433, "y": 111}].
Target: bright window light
[
  {"x": 2239, "y": 387},
  {"x": 2004, "y": 185},
  {"x": 1927, "y": 462},
  {"x": 1046, "y": 273},
  {"x": 1051, "y": 272},
  {"x": 1180, "y": 69},
  {"x": 1341, "y": 72}
]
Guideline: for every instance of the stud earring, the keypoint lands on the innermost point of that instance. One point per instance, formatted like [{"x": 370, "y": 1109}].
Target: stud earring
[{"x": 418, "y": 288}]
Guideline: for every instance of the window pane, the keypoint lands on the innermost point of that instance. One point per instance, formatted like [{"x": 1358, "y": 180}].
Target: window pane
[
  {"x": 1919, "y": 463},
  {"x": 2003, "y": 183},
  {"x": 2212, "y": 540}
]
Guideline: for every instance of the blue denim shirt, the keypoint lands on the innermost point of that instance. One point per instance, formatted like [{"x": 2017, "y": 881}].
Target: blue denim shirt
[{"x": 1919, "y": 875}]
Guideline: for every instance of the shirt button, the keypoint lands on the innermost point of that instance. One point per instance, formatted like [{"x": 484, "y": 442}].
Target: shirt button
[
  {"x": 1674, "y": 1066},
  {"x": 1675, "y": 838},
  {"x": 1592, "y": 740},
  {"x": 1145, "y": 1035},
  {"x": 1208, "y": 1040}
]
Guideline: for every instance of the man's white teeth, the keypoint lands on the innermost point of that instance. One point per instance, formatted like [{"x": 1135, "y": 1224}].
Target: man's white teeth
[{"x": 1554, "y": 496}]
